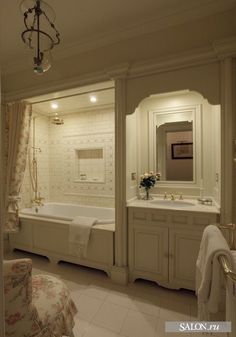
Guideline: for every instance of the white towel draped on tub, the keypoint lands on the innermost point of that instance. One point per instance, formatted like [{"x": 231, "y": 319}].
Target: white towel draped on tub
[
  {"x": 79, "y": 234},
  {"x": 209, "y": 287}
]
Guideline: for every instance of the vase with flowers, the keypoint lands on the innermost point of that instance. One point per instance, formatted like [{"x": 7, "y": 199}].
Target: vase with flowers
[{"x": 148, "y": 180}]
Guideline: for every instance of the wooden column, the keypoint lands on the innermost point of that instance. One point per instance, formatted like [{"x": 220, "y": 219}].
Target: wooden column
[
  {"x": 119, "y": 272},
  {"x": 227, "y": 140},
  {"x": 2, "y": 315}
]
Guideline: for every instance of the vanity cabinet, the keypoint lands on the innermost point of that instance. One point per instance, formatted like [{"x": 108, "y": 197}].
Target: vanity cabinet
[
  {"x": 150, "y": 252},
  {"x": 164, "y": 245},
  {"x": 184, "y": 246}
]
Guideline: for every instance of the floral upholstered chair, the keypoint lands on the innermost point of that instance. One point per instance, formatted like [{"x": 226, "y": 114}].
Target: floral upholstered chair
[{"x": 38, "y": 306}]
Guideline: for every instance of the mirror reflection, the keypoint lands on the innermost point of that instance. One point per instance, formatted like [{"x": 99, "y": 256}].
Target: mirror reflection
[
  {"x": 174, "y": 146},
  {"x": 174, "y": 150}
]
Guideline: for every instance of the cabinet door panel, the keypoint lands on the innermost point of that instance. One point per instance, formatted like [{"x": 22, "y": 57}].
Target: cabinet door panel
[
  {"x": 184, "y": 248},
  {"x": 150, "y": 251}
]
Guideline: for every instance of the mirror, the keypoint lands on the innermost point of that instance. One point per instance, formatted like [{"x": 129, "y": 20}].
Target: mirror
[
  {"x": 172, "y": 143},
  {"x": 174, "y": 151}
]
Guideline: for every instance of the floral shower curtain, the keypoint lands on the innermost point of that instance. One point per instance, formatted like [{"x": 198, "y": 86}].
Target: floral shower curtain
[{"x": 18, "y": 117}]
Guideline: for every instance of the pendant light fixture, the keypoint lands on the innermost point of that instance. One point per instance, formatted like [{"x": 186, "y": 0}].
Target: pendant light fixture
[{"x": 40, "y": 34}]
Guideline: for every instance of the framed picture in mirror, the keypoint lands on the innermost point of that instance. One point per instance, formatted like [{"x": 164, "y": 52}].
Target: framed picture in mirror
[{"x": 182, "y": 151}]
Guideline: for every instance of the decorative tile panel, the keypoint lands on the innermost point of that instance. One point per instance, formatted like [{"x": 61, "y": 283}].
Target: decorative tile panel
[{"x": 56, "y": 161}]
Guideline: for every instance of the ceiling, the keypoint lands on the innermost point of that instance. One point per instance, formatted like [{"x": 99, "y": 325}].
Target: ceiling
[
  {"x": 85, "y": 23},
  {"x": 75, "y": 100}
]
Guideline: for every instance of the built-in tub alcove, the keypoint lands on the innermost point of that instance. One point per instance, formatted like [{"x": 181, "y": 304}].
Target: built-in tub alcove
[{"x": 71, "y": 163}]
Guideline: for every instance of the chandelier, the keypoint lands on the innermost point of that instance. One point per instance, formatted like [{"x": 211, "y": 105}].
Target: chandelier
[{"x": 40, "y": 34}]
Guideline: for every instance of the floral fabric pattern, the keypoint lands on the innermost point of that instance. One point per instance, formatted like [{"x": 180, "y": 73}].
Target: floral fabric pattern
[
  {"x": 38, "y": 306},
  {"x": 18, "y": 117},
  {"x": 20, "y": 315},
  {"x": 55, "y": 308}
]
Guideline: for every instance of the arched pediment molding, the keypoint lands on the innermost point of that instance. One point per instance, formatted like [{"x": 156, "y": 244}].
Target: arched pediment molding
[{"x": 203, "y": 79}]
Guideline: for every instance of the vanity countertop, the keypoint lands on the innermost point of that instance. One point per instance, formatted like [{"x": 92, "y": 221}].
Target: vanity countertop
[{"x": 190, "y": 205}]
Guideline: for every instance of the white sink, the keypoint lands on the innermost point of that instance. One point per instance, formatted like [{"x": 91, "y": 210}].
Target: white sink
[{"x": 172, "y": 203}]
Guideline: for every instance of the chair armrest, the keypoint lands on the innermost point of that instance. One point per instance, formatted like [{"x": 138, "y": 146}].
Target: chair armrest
[
  {"x": 17, "y": 279},
  {"x": 17, "y": 267},
  {"x": 21, "y": 316}
]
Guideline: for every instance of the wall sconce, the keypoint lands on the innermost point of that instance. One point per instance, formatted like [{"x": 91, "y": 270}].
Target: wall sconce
[{"x": 40, "y": 34}]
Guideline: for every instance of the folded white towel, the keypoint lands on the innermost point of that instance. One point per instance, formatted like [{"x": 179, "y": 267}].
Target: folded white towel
[
  {"x": 79, "y": 233},
  {"x": 208, "y": 272}
]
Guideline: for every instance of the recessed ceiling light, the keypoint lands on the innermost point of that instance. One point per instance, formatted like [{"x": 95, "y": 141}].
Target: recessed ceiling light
[
  {"x": 54, "y": 105},
  {"x": 93, "y": 99}
]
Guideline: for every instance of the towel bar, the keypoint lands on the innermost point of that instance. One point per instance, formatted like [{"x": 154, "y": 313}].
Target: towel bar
[{"x": 229, "y": 273}]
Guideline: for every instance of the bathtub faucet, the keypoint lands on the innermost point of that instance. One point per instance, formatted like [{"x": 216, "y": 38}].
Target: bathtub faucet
[{"x": 38, "y": 201}]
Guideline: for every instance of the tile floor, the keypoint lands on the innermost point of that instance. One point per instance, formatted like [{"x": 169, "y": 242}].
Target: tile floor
[{"x": 106, "y": 309}]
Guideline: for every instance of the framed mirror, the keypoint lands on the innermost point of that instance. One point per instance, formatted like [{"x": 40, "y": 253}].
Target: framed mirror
[{"x": 175, "y": 144}]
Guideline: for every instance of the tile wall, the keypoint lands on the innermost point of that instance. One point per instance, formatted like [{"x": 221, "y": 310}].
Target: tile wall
[
  {"x": 58, "y": 165},
  {"x": 41, "y": 142}
]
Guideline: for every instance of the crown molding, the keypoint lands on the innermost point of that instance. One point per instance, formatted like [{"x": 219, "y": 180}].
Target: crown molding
[
  {"x": 225, "y": 48},
  {"x": 159, "y": 23},
  {"x": 218, "y": 50},
  {"x": 58, "y": 85},
  {"x": 175, "y": 61},
  {"x": 187, "y": 14},
  {"x": 118, "y": 71}
]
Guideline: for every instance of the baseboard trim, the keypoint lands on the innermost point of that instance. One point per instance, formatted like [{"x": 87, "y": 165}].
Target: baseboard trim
[{"x": 119, "y": 275}]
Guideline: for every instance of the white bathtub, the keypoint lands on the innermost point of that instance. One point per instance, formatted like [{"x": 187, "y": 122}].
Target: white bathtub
[
  {"x": 62, "y": 211},
  {"x": 45, "y": 231}
]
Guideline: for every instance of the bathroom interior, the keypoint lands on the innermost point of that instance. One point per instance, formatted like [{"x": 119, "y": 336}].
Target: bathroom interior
[
  {"x": 70, "y": 171},
  {"x": 123, "y": 174}
]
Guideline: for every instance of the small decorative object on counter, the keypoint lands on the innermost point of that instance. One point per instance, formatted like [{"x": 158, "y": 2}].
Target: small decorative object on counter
[{"x": 148, "y": 180}]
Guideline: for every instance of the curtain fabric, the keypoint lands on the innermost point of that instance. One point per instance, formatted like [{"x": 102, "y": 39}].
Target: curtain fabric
[{"x": 18, "y": 117}]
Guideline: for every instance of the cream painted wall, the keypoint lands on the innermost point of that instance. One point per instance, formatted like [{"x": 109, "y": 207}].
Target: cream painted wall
[
  {"x": 2, "y": 195},
  {"x": 57, "y": 170},
  {"x": 131, "y": 156},
  {"x": 211, "y": 153},
  {"x": 216, "y": 140}
]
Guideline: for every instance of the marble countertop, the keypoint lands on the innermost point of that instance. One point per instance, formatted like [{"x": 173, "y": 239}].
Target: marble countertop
[{"x": 191, "y": 205}]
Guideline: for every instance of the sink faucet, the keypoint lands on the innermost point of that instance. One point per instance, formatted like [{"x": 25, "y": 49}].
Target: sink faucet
[{"x": 172, "y": 196}]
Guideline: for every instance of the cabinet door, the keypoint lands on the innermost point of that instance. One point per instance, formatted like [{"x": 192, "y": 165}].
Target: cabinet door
[
  {"x": 184, "y": 246},
  {"x": 149, "y": 253}
]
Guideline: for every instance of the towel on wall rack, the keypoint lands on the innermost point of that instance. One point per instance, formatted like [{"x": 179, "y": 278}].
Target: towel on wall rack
[{"x": 209, "y": 285}]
